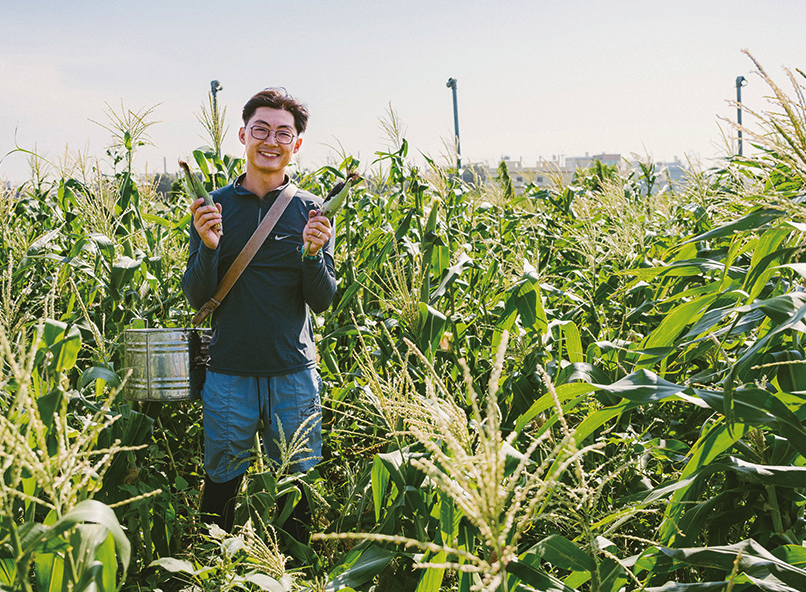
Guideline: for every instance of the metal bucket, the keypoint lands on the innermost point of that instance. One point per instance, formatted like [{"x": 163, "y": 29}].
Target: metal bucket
[{"x": 166, "y": 364}]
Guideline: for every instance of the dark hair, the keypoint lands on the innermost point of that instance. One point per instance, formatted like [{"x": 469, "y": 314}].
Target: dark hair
[{"x": 277, "y": 98}]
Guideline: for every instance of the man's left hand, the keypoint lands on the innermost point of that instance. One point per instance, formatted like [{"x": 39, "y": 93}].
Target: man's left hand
[{"x": 316, "y": 232}]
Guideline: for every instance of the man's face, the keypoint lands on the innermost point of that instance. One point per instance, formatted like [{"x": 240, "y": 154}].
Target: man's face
[{"x": 269, "y": 156}]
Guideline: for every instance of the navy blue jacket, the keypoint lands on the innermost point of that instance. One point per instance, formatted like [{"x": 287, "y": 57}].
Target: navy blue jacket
[{"x": 263, "y": 327}]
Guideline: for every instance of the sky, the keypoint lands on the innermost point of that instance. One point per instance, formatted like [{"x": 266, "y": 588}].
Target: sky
[{"x": 535, "y": 79}]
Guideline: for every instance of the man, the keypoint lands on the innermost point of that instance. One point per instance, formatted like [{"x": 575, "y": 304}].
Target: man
[{"x": 262, "y": 353}]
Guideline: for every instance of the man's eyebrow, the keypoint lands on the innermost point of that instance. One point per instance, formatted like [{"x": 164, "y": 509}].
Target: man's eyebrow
[{"x": 260, "y": 121}]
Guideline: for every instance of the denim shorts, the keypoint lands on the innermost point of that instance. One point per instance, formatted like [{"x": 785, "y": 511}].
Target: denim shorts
[{"x": 234, "y": 407}]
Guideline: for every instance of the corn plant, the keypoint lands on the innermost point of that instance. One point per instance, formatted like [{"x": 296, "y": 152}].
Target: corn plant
[{"x": 52, "y": 466}]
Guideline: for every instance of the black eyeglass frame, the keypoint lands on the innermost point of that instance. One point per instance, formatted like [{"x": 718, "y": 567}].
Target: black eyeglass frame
[{"x": 277, "y": 133}]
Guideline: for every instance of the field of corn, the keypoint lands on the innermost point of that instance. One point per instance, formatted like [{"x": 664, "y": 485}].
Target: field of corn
[{"x": 599, "y": 386}]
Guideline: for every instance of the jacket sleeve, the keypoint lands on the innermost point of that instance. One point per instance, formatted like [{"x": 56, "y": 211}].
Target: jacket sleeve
[
  {"x": 201, "y": 275},
  {"x": 319, "y": 277}
]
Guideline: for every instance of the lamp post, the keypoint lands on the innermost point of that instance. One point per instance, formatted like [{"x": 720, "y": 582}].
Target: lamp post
[
  {"x": 452, "y": 85},
  {"x": 215, "y": 86},
  {"x": 740, "y": 82}
]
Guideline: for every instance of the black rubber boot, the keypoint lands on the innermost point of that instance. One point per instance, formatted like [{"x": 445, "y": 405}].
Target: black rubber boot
[{"x": 218, "y": 502}]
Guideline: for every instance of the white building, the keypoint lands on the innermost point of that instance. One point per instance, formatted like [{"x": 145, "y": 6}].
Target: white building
[{"x": 560, "y": 170}]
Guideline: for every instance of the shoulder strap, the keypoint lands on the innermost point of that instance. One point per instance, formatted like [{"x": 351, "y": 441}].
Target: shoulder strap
[{"x": 246, "y": 254}]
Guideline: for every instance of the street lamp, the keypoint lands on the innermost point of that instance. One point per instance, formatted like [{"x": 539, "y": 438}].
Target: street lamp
[
  {"x": 740, "y": 82},
  {"x": 452, "y": 85},
  {"x": 215, "y": 86}
]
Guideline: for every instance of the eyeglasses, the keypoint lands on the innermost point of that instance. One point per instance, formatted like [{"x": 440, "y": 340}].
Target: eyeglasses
[{"x": 262, "y": 133}]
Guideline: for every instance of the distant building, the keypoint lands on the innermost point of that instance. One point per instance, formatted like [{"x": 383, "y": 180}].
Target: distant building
[
  {"x": 547, "y": 173},
  {"x": 582, "y": 162}
]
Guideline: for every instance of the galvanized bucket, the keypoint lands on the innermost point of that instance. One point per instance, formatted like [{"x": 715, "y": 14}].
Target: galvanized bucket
[{"x": 166, "y": 364}]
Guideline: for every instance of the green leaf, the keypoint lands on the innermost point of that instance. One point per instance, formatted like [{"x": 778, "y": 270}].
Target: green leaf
[
  {"x": 530, "y": 307},
  {"x": 394, "y": 461},
  {"x": 431, "y": 580},
  {"x": 49, "y": 572},
  {"x": 104, "y": 243},
  {"x": 453, "y": 273},
  {"x": 433, "y": 324},
  {"x": 675, "y": 322},
  {"x": 573, "y": 342},
  {"x": 701, "y": 587},
  {"x": 643, "y": 386},
  {"x": 349, "y": 293},
  {"x": 791, "y": 373},
  {"x": 580, "y": 371},
  {"x": 685, "y": 268},
  {"x": 523, "y": 299},
  {"x": 122, "y": 272},
  {"x": 42, "y": 242},
  {"x": 716, "y": 440},
  {"x": 791, "y": 554},
  {"x": 105, "y": 554},
  {"x": 99, "y": 513},
  {"x": 562, "y": 553},
  {"x": 449, "y": 517},
  {"x": 611, "y": 575},
  {"x": 795, "y": 322},
  {"x": 380, "y": 480},
  {"x": 565, "y": 392},
  {"x": 799, "y": 268},
  {"x": 8, "y": 571},
  {"x": 756, "y": 407},
  {"x": 780, "y": 476},
  {"x": 160, "y": 221},
  {"x": 765, "y": 253},
  {"x": 533, "y": 577},
  {"x": 750, "y": 557},
  {"x": 48, "y": 405},
  {"x": 98, "y": 373},
  {"x": 64, "y": 342},
  {"x": 750, "y": 221},
  {"x": 266, "y": 583},
  {"x": 359, "y": 566},
  {"x": 778, "y": 308},
  {"x": 174, "y": 565}
]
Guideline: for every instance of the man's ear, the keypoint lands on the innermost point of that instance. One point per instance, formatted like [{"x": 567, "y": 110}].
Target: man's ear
[
  {"x": 297, "y": 145},
  {"x": 242, "y": 135}
]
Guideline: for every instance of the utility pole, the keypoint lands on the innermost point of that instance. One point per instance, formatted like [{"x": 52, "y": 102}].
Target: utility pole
[
  {"x": 740, "y": 82},
  {"x": 452, "y": 85},
  {"x": 215, "y": 86}
]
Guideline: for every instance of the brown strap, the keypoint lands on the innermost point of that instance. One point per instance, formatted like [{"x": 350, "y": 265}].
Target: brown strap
[{"x": 246, "y": 254}]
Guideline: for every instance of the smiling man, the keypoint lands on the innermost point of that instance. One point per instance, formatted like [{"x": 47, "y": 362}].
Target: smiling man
[{"x": 262, "y": 353}]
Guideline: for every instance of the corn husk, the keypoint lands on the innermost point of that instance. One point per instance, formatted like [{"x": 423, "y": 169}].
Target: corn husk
[
  {"x": 335, "y": 201},
  {"x": 196, "y": 190}
]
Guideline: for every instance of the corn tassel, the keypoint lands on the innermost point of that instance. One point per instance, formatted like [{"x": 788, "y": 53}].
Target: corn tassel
[
  {"x": 195, "y": 189},
  {"x": 335, "y": 201}
]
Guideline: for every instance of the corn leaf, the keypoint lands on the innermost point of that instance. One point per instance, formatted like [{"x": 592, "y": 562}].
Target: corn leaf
[
  {"x": 562, "y": 553},
  {"x": 431, "y": 580},
  {"x": 768, "y": 572},
  {"x": 360, "y": 565}
]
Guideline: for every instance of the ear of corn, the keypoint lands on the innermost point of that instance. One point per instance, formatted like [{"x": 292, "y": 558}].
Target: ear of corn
[
  {"x": 196, "y": 190},
  {"x": 337, "y": 197},
  {"x": 335, "y": 201}
]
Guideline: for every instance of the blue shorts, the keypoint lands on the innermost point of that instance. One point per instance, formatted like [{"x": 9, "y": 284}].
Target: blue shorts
[{"x": 233, "y": 407}]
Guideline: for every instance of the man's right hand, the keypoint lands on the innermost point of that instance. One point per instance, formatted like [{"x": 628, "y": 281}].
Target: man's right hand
[{"x": 205, "y": 220}]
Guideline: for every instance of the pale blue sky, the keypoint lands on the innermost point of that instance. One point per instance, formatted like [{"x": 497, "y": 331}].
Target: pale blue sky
[{"x": 535, "y": 79}]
